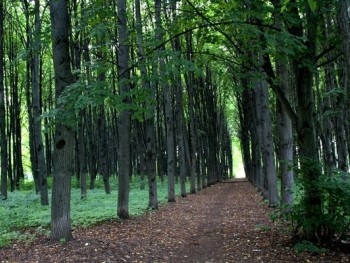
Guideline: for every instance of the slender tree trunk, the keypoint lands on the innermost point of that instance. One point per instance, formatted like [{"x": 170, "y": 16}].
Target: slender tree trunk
[
  {"x": 168, "y": 105},
  {"x": 244, "y": 134},
  {"x": 82, "y": 155},
  {"x": 150, "y": 136},
  {"x": 36, "y": 98},
  {"x": 344, "y": 27},
  {"x": 124, "y": 122},
  {"x": 63, "y": 159},
  {"x": 268, "y": 147},
  {"x": 257, "y": 142},
  {"x": 193, "y": 126},
  {"x": 3, "y": 137},
  {"x": 178, "y": 105},
  {"x": 103, "y": 148}
]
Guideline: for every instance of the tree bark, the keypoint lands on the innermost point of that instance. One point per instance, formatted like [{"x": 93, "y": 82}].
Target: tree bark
[
  {"x": 36, "y": 98},
  {"x": 3, "y": 138},
  {"x": 124, "y": 123},
  {"x": 63, "y": 158},
  {"x": 150, "y": 134},
  {"x": 267, "y": 146},
  {"x": 344, "y": 28}
]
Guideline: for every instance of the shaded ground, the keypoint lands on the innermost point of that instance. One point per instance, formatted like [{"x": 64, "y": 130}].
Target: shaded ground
[{"x": 224, "y": 223}]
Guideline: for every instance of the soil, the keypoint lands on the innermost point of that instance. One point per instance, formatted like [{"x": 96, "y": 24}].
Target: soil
[{"x": 227, "y": 222}]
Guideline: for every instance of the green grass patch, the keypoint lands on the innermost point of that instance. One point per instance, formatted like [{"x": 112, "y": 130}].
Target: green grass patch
[{"x": 22, "y": 215}]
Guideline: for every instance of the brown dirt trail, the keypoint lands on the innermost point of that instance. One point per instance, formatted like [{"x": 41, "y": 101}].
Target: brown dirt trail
[{"x": 227, "y": 222}]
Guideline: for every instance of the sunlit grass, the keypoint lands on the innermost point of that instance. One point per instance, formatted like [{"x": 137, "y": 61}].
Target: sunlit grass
[{"x": 22, "y": 210}]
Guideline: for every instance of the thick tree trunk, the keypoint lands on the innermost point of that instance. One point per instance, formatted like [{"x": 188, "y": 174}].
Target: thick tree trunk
[
  {"x": 306, "y": 134},
  {"x": 285, "y": 141},
  {"x": 283, "y": 121},
  {"x": 124, "y": 123},
  {"x": 63, "y": 159}
]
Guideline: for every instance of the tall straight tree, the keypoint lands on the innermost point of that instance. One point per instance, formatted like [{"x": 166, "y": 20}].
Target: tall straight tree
[
  {"x": 268, "y": 147},
  {"x": 63, "y": 158},
  {"x": 168, "y": 105},
  {"x": 124, "y": 122},
  {"x": 284, "y": 122},
  {"x": 150, "y": 136},
  {"x": 178, "y": 105},
  {"x": 344, "y": 28},
  {"x": 36, "y": 94},
  {"x": 3, "y": 138}
]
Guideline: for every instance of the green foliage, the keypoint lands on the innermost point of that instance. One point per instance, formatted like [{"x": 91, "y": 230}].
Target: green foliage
[
  {"x": 262, "y": 228},
  {"x": 312, "y": 5},
  {"x": 23, "y": 217},
  {"x": 307, "y": 246},
  {"x": 333, "y": 220}
]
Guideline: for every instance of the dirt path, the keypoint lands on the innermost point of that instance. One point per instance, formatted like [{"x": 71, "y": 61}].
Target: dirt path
[{"x": 227, "y": 222}]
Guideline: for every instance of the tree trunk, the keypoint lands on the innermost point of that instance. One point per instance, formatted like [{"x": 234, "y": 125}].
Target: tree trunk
[
  {"x": 3, "y": 137},
  {"x": 150, "y": 135},
  {"x": 168, "y": 105},
  {"x": 124, "y": 123},
  {"x": 244, "y": 134},
  {"x": 285, "y": 141},
  {"x": 36, "y": 98},
  {"x": 344, "y": 26},
  {"x": 268, "y": 147},
  {"x": 306, "y": 127},
  {"x": 283, "y": 121},
  {"x": 257, "y": 142},
  {"x": 63, "y": 159},
  {"x": 82, "y": 155},
  {"x": 190, "y": 82}
]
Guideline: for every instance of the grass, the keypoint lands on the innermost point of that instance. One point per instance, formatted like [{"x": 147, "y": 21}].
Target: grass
[{"x": 23, "y": 217}]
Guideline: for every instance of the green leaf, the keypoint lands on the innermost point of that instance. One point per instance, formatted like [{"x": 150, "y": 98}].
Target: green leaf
[
  {"x": 284, "y": 5},
  {"x": 313, "y": 5}
]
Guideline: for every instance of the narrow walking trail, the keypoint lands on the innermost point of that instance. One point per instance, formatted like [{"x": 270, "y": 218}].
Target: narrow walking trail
[{"x": 227, "y": 222}]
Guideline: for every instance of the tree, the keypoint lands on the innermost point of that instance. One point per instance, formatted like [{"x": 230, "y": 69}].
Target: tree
[
  {"x": 284, "y": 123},
  {"x": 3, "y": 137},
  {"x": 124, "y": 124},
  {"x": 150, "y": 136},
  {"x": 63, "y": 158},
  {"x": 36, "y": 98},
  {"x": 168, "y": 103}
]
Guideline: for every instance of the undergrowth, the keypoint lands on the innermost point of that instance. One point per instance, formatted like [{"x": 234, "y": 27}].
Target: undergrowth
[
  {"x": 23, "y": 217},
  {"x": 330, "y": 224}
]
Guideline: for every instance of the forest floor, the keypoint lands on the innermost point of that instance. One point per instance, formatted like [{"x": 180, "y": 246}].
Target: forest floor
[{"x": 227, "y": 222}]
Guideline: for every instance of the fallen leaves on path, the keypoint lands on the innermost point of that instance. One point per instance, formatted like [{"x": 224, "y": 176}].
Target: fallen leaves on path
[{"x": 227, "y": 222}]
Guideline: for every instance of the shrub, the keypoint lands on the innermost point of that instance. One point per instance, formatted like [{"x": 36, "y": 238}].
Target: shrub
[{"x": 333, "y": 220}]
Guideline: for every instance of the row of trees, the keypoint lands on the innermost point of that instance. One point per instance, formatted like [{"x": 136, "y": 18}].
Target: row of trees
[
  {"x": 108, "y": 88},
  {"x": 301, "y": 52}
]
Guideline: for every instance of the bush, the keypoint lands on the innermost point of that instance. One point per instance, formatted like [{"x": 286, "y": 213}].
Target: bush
[{"x": 333, "y": 220}]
